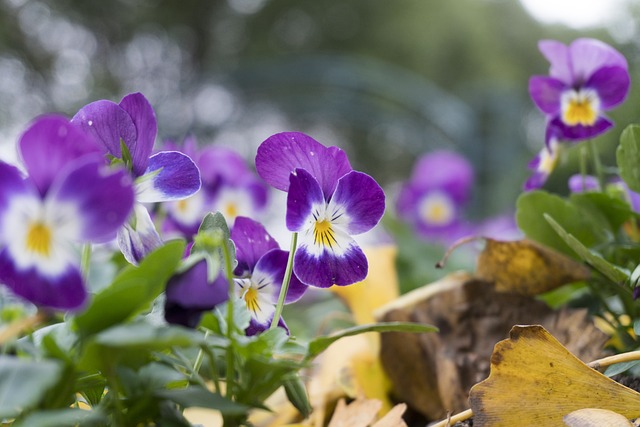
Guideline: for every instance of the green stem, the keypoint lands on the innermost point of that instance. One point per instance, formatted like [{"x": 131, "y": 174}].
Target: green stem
[
  {"x": 584, "y": 153},
  {"x": 285, "y": 282},
  {"x": 228, "y": 269},
  {"x": 86, "y": 260},
  {"x": 597, "y": 165},
  {"x": 200, "y": 356}
]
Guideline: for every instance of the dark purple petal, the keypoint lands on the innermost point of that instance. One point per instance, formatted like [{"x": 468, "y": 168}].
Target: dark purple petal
[
  {"x": 279, "y": 155},
  {"x": 612, "y": 85},
  {"x": 535, "y": 181},
  {"x": 256, "y": 327},
  {"x": 11, "y": 183},
  {"x": 362, "y": 200},
  {"x": 108, "y": 124},
  {"x": 192, "y": 288},
  {"x": 61, "y": 292},
  {"x": 144, "y": 120},
  {"x": 580, "y": 132},
  {"x": 304, "y": 195},
  {"x": 327, "y": 269},
  {"x": 51, "y": 143},
  {"x": 581, "y": 183},
  {"x": 446, "y": 171},
  {"x": 588, "y": 55},
  {"x": 103, "y": 197},
  {"x": 178, "y": 178},
  {"x": 545, "y": 93},
  {"x": 137, "y": 243},
  {"x": 252, "y": 242},
  {"x": 274, "y": 264},
  {"x": 558, "y": 55}
]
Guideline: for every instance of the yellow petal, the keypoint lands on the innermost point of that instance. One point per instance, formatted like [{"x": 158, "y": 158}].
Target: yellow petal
[{"x": 535, "y": 381}]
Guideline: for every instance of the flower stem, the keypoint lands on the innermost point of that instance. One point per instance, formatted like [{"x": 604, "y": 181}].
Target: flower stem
[
  {"x": 597, "y": 165},
  {"x": 228, "y": 270},
  {"x": 584, "y": 153},
  {"x": 285, "y": 282},
  {"x": 451, "y": 420},
  {"x": 85, "y": 260},
  {"x": 198, "y": 363},
  {"x": 612, "y": 360}
]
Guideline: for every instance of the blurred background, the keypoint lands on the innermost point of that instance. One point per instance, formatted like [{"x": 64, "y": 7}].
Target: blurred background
[{"x": 384, "y": 80}]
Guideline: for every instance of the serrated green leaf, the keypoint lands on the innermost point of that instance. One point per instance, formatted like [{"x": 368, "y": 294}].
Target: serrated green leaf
[
  {"x": 195, "y": 396},
  {"x": 531, "y": 208},
  {"x": 318, "y": 345},
  {"x": 628, "y": 157},
  {"x": 611, "y": 271},
  {"x": 23, "y": 383},
  {"x": 63, "y": 418},
  {"x": 132, "y": 291}
]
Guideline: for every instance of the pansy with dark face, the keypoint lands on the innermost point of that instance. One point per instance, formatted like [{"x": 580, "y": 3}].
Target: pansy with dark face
[
  {"x": 586, "y": 78},
  {"x": 260, "y": 272},
  {"x": 69, "y": 197},
  {"x": 127, "y": 132},
  {"x": 327, "y": 203}
]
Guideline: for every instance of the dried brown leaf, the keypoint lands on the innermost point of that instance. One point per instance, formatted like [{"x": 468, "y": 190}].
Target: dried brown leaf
[
  {"x": 535, "y": 381},
  {"x": 359, "y": 413},
  {"x": 526, "y": 267}
]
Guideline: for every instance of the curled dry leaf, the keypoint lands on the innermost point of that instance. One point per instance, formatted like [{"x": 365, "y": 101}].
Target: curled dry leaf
[
  {"x": 433, "y": 373},
  {"x": 535, "y": 381},
  {"x": 526, "y": 267},
  {"x": 593, "y": 417}
]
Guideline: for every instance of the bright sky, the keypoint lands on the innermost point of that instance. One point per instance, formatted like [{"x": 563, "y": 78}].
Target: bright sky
[{"x": 573, "y": 13}]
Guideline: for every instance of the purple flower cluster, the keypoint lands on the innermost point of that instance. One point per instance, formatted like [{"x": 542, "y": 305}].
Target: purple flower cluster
[
  {"x": 68, "y": 197},
  {"x": 228, "y": 186},
  {"x": 586, "y": 79}
]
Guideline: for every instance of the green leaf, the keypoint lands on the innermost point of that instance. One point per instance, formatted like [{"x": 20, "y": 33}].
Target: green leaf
[
  {"x": 531, "y": 208},
  {"x": 23, "y": 383},
  {"x": 195, "y": 396},
  {"x": 320, "y": 344},
  {"x": 628, "y": 156},
  {"x": 143, "y": 335},
  {"x": 611, "y": 271},
  {"x": 132, "y": 291},
  {"x": 619, "y": 368},
  {"x": 63, "y": 418},
  {"x": 297, "y": 395},
  {"x": 605, "y": 207}
]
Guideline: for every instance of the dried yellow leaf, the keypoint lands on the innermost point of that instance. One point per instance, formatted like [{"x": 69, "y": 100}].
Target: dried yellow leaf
[
  {"x": 592, "y": 417},
  {"x": 526, "y": 267},
  {"x": 535, "y": 381},
  {"x": 359, "y": 413}
]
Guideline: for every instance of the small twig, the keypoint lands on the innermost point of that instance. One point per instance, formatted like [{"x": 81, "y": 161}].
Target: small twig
[
  {"x": 452, "y": 419},
  {"x": 454, "y": 246},
  {"x": 612, "y": 360},
  {"x": 14, "y": 329}
]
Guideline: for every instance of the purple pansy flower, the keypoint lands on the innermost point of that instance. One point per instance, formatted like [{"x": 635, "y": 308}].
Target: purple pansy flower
[
  {"x": 189, "y": 294},
  {"x": 433, "y": 199},
  {"x": 543, "y": 164},
  {"x": 327, "y": 203},
  {"x": 586, "y": 78},
  {"x": 228, "y": 186},
  {"x": 164, "y": 176},
  {"x": 260, "y": 272},
  {"x": 70, "y": 196}
]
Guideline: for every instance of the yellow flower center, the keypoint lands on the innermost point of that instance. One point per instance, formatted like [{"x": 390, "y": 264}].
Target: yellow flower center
[
  {"x": 437, "y": 209},
  {"x": 182, "y": 205},
  {"x": 39, "y": 239},
  {"x": 323, "y": 234},
  {"x": 231, "y": 210},
  {"x": 580, "y": 108},
  {"x": 251, "y": 299}
]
